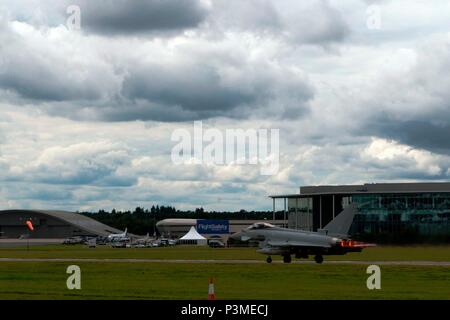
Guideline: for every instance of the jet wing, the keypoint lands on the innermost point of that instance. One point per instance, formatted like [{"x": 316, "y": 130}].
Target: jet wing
[{"x": 296, "y": 244}]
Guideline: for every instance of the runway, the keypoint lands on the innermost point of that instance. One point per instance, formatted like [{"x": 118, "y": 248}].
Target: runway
[{"x": 179, "y": 261}]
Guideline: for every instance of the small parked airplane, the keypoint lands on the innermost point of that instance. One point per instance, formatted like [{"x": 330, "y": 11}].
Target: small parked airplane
[
  {"x": 146, "y": 238},
  {"x": 331, "y": 240},
  {"x": 119, "y": 236},
  {"x": 143, "y": 242}
]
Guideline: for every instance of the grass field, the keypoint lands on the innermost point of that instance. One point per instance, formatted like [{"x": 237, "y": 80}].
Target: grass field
[
  {"x": 190, "y": 281},
  {"x": 142, "y": 280}
]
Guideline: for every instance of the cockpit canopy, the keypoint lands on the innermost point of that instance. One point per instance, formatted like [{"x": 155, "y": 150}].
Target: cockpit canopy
[{"x": 260, "y": 225}]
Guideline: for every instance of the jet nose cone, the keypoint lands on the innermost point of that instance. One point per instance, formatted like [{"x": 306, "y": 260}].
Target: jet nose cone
[
  {"x": 241, "y": 236},
  {"x": 236, "y": 236}
]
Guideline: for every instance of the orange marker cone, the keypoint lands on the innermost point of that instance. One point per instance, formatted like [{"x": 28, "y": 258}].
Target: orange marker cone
[{"x": 211, "y": 294}]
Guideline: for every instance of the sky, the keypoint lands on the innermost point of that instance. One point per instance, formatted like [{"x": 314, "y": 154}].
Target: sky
[{"x": 359, "y": 91}]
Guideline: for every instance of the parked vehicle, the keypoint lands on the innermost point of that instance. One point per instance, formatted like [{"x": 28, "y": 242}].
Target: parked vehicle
[
  {"x": 73, "y": 240},
  {"x": 214, "y": 243},
  {"x": 167, "y": 242},
  {"x": 118, "y": 244}
]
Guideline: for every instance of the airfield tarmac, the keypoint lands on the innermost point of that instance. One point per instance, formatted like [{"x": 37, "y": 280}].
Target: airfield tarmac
[
  {"x": 191, "y": 261},
  {"x": 13, "y": 243}
]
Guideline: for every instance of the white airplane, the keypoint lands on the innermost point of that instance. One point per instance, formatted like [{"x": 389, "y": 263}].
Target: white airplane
[
  {"x": 119, "y": 236},
  {"x": 143, "y": 240}
]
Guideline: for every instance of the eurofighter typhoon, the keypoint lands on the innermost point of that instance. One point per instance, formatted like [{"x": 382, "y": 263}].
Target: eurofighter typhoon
[{"x": 333, "y": 239}]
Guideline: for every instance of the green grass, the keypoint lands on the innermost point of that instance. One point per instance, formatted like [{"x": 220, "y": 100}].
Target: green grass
[
  {"x": 42, "y": 280},
  {"x": 429, "y": 253},
  {"x": 144, "y": 280}
]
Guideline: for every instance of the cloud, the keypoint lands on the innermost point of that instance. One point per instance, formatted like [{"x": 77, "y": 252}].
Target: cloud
[
  {"x": 95, "y": 163},
  {"x": 49, "y": 66},
  {"x": 430, "y": 135},
  {"x": 252, "y": 15},
  {"x": 403, "y": 161},
  {"x": 112, "y": 17},
  {"x": 375, "y": 160},
  {"x": 411, "y": 104},
  {"x": 315, "y": 22},
  {"x": 202, "y": 94},
  {"x": 211, "y": 82},
  {"x": 58, "y": 72},
  {"x": 299, "y": 22}
]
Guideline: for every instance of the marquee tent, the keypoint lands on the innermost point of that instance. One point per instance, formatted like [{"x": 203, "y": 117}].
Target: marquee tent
[{"x": 193, "y": 237}]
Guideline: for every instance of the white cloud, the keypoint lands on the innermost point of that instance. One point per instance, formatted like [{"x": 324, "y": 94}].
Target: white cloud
[{"x": 388, "y": 153}]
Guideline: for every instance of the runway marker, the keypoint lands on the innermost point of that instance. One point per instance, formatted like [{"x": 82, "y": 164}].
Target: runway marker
[{"x": 211, "y": 294}]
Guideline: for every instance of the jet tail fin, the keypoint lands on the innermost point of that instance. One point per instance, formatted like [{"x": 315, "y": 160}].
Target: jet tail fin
[
  {"x": 126, "y": 230},
  {"x": 343, "y": 221}
]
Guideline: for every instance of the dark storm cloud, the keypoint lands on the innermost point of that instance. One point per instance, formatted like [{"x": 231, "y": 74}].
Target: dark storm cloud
[
  {"x": 432, "y": 135},
  {"x": 195, "y": 89},
  {"x": 199, "y": 91},
  {"x": 143, "y": 110},
  {"x": 130, "y": 16},
  {"x": 196, "y": 80},
  {"x": 36, "y": 82}
]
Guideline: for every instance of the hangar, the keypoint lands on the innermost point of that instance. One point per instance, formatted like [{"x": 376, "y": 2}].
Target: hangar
[{"x": 50, "y": 224}]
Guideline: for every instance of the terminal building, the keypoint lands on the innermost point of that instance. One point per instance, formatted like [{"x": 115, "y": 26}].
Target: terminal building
[
  {"x": 390, "y": 211},
  {"x": 50, "y": 225}
]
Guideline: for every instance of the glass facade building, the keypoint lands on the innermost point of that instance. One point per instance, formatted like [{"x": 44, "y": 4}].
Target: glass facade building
[
  {"x": 300, "y": 213},
  {"x": 408, "y": 212},
  {"x": 416, "y": 214}
]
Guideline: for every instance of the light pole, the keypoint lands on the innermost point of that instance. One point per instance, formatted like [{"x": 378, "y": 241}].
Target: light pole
[{"x": 154, "y": 224}]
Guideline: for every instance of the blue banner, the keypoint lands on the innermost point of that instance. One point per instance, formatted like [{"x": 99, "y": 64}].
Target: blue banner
[{"x": 213, "y": 226}]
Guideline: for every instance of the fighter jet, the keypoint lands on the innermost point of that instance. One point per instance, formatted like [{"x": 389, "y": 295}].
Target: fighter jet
[{"x": 331, "y": 240}]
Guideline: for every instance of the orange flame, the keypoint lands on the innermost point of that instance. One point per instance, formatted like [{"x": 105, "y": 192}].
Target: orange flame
[{"x": 355, "y": 244}]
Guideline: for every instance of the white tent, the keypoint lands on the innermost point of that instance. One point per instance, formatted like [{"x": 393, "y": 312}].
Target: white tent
[{"x": 193, "y": 237}]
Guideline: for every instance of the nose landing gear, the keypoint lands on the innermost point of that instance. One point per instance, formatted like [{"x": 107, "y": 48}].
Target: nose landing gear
[
  {"x": 269, "y": 259},
  {"x": 318, "y": 258}
]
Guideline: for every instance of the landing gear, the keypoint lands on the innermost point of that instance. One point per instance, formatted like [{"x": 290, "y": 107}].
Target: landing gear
[
  {"x": 287, "y": 258},
  {"x": 269, "y": 259},
  {"x": 318, "y": 258}
]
